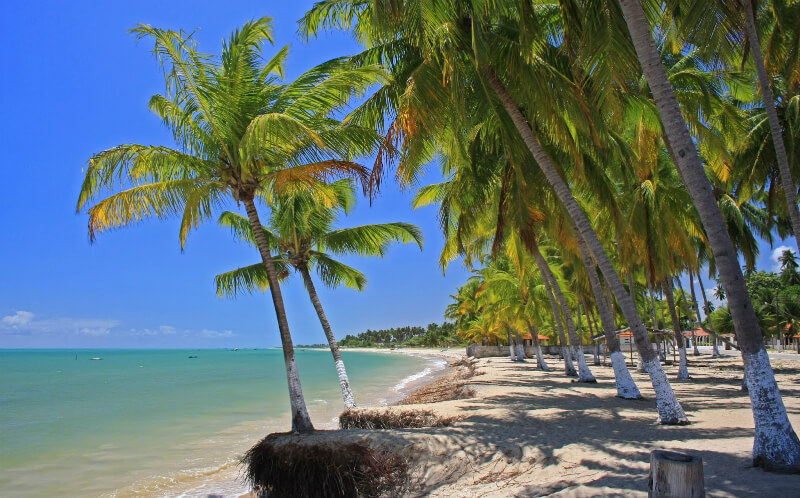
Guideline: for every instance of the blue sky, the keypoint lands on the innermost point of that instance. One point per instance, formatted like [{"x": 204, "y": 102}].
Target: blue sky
[{"x": 75, "y": 82}]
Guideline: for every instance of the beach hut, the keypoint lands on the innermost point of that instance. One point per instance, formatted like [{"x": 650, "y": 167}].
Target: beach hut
[
  {"x": 701, "y": 336},
  {"x": 527, "y": 340}
]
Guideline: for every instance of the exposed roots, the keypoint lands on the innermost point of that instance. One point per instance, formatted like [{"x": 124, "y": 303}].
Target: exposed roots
[
  {"x": 391, "y": 419},
  {"x": 305, "y": 466}
]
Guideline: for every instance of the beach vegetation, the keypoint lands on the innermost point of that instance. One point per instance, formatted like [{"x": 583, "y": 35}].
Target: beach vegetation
[
  {"x": 604, "y": 126},
  {"x": 243, "y": 136},
  {"x": 302, "y": 237}
]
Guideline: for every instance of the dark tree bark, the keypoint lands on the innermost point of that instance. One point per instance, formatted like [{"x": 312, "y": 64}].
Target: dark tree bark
[{"x": 301, "y": 422}]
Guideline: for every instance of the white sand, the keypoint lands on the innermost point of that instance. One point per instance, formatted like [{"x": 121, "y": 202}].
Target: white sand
[{"x": 529, "y": 433}]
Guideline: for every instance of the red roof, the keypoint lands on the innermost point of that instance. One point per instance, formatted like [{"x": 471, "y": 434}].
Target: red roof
[
  {"x": 529, "y": 337},
  {"x": 698, "y": 332}
]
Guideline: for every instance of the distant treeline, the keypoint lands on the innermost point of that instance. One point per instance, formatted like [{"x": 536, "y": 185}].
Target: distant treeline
[{"x": 434, "y": 335}]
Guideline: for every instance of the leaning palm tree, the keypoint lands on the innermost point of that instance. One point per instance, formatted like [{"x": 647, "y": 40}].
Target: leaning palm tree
[
  {"x": 776, "y": 444},
  {"x": 241, "y": 135},
  {"x": 302, "y": 232}
]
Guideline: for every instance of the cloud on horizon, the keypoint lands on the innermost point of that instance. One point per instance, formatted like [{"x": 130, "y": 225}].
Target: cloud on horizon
[
  {"x": 23, "y": 323},
  {"x": 26, "y": 322}
]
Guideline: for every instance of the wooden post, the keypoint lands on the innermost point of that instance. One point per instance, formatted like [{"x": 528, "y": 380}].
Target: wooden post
[{"x": 674, "y": 475}]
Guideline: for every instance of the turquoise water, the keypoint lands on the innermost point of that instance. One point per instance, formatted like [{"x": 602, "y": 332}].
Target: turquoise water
[{"x": 156, "y": 422}]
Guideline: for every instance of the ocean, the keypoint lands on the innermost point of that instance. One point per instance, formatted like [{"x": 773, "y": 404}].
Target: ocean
[{"x": 159, "y": 423}]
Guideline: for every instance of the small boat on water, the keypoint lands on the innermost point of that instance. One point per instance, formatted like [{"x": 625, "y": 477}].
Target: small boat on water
[
  {"x": 95, "y": 359},
  {"x": 235, "y": 349},
  {"x": 193, "y": 357}
]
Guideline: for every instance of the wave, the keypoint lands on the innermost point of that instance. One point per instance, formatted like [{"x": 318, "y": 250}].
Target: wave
[{"x": 436, "y": 367}]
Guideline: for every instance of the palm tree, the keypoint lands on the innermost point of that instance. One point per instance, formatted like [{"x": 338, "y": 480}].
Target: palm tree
[
  {"x": 408, "y": 44},
  {"x": 240, "y": 135},
  {"x": 776, "y": 444},
  {"x": 301, "y": 231},
  {"x": 626, "y": 387},
  {"x": 776, "y": 130}
]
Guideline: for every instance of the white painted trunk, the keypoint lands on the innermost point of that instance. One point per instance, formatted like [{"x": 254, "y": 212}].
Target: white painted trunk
[
  {"x": 511, "y": 352},
  {"x": 520, "y": 347},
  {"x": 569, "y": 367},
  {"x": 670, "y": 413},
  {"x": 680, "y": 341},
  {"x": 584, "y": 374},
  {"x": 561, "y": 189},
  {"x": 776, "y": 446},
  {"x": 341, "y": 372},
  {"x": 539, "y": 356},
  {"x": 344, "y": 384},
  {"x": 575, "y": 348},
  {"x": 626, "y": 387},
  {"x": 716, "y": 348},
  {"x": 683, "y": 369},
  {"x": 540, "y": 359}
]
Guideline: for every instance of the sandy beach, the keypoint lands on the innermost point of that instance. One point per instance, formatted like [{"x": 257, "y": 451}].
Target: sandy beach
[{"x": 524, "y": 432}]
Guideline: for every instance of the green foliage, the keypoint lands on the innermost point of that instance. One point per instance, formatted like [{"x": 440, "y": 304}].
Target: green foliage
[
  {"x": 302, "y": 236},
  {"x": 434, "y": 335}
]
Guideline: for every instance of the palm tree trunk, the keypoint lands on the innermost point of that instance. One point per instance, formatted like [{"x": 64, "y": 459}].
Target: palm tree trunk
[
  {"x": 772, "y": 116},
  {"x": 511, "y": 345},
  {"x": 539, "y": 356},
  {"x": 520, "y": 346},
  {"x": 776, "y": 445},
  {"x": 590, "y": 326},
  {"x": 575, "y": 343},
  {"x": 662, "y": 353},
  {"x": 683, "y": 369},
  {"x": 569, "y": 368},
  {"x": 669, "y": 409},
  {"x": 695, "y": 351},
  {"x": 344, "y": 382},
  {"x": 715, "y": 353},
  {"x": 301, "y": 422},
  {"x": 626, "y": 387}
]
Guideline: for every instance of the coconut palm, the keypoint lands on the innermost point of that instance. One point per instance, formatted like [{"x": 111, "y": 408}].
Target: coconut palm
[
  {"x": 241, "y": 135},
  {"x": 776, "y": 444},
  {"x": 776, "y": 130},
  {"x": 302, "y": 232}
]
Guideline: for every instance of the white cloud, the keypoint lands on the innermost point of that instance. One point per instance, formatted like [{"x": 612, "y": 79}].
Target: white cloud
[
  {"x": 215, "y": 334},
  {"x": 18, "y": 319},
  {"x": 166, "y": 329},
  {"x": 27, "y": 321},
  {"x": 776, "y": 264},
  {"x": 98, "y": 331}
]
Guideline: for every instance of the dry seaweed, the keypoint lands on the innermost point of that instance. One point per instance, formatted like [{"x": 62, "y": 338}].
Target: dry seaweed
[
  {"x": 300, "y": 466},
  {"x": 391, "y": 419}
]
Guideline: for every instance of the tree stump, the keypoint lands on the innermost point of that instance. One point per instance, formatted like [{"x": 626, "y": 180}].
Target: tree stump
[{"x": 675, "y": 475}]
